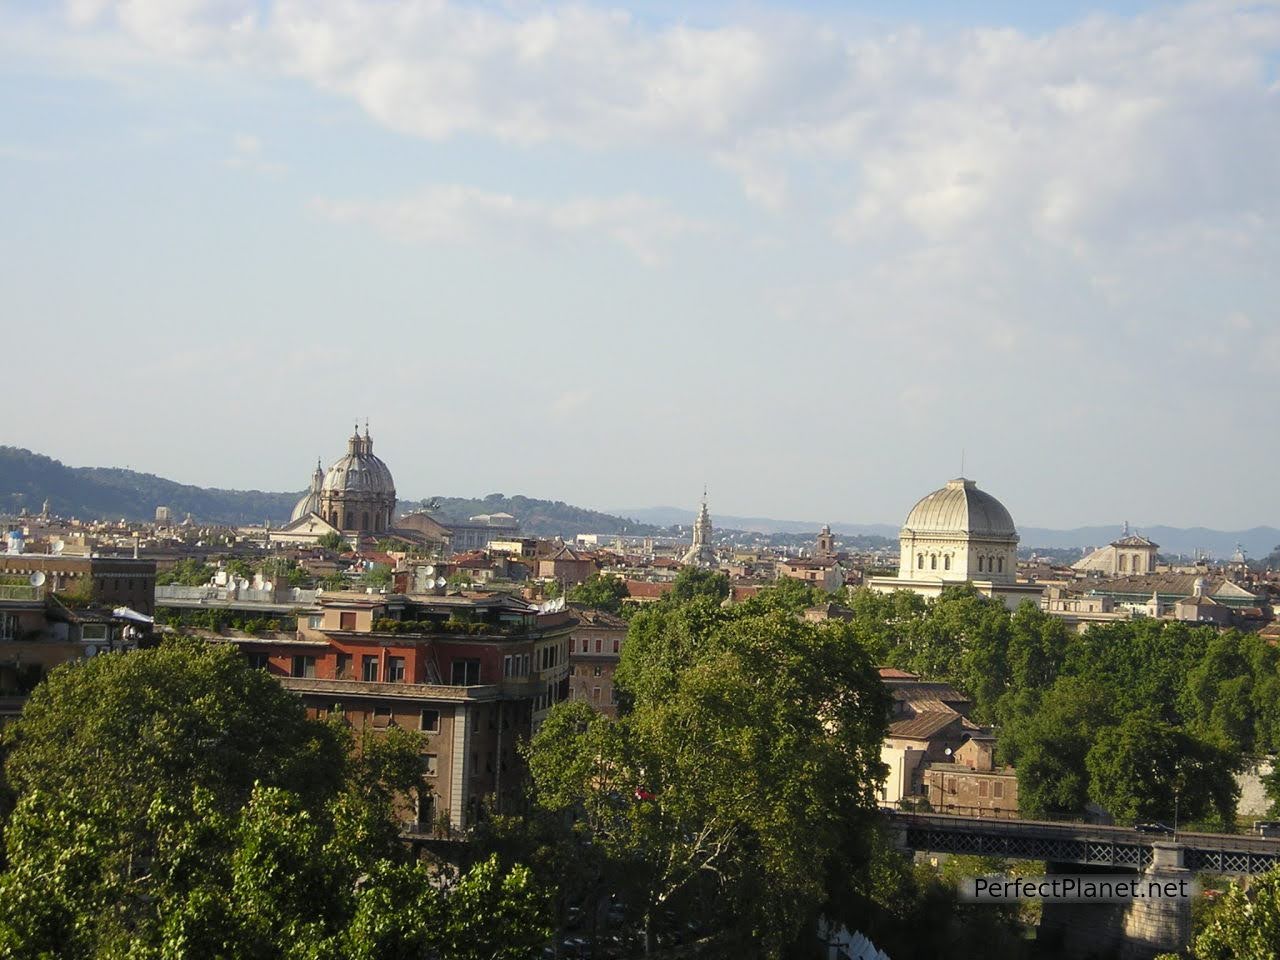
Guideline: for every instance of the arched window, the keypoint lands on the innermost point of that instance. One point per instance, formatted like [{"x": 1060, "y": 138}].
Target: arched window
[
  {"x": 933, "y": 561},
  {"x": 920, "y": 561},
  {"x": 364, "y": 520},
  {"x": 946, "y": 562},
  {"x": 1124, "y": 561},
  {"x": 979, "y": 564},
  {"x": 1001, "y": 562},
  {"x": 333, "y": 517}
]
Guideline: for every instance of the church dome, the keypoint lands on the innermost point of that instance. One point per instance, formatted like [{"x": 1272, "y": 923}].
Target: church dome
[
  {"x": 961, "y": 509},
  {"x": 359, "y": 472}
]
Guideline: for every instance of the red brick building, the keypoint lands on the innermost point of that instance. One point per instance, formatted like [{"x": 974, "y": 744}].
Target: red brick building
[{"x": 476, "y": 673}]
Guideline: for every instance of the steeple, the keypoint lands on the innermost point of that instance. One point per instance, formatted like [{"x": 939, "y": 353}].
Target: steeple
[{"x": 702, "y": 553}]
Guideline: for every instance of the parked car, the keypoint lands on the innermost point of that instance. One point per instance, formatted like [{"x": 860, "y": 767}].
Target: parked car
[
  {"x": 1152, "y": 827},
  {"x": 1267, "y": 828}
]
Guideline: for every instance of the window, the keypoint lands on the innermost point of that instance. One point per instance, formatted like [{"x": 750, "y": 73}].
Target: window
[
  {"x": 597, "y": 673},
  {"x": 979, "y": 564},
  {"x": 982, "y": 788},
  {"x": 395, "y": 670},
  {"x": 382, "y": 716},
  {"x": 430, "y": 764},
  {"x": 303, "y": 666},
  {"x": 369, "y": 669},
  {"x": 1001, "y": 564},
  {"x": 429, "y": 721},
  {"x": 595, "y": 694},
  {"x": 616, "y": 645},
  {"x": 347, "y": 620},
  {"x": 946, "y": 562},
  {"x": 506, "y": 665},
  {"x": 524, "y": 665},
  {"x": 315, "y": 621},
  {"x": 599, "y": 644},
  {"x": 920, "y": 561},
  {"x": 260, "y": 661},
  {"x": 933, "y": 561},
  {"x": 466, "y": 673},
  {"x": 343, "y": 668},
  {"x": 999, "y": 790}
]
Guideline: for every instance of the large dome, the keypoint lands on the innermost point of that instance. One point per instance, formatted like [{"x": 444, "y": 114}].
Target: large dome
[
  {"x": 359, "y": 472},
  {"x": 961, "y": 509}
]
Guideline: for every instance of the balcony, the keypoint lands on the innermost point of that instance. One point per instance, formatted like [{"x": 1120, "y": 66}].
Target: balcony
[{"x": 16, "y": 592}]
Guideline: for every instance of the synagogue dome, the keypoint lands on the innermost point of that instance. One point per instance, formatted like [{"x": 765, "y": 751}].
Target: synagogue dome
[{"x": 960, "y": 509}]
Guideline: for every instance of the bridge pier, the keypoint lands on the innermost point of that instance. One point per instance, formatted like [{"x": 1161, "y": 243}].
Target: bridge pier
[
  {"x": 1138, "y": 930},
  {"x": 1159, "y": 926}
]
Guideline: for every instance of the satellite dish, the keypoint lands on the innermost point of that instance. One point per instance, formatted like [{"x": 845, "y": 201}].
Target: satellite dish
[
  {"x": 430, "y": 571},
  {"x": 37, "y": 579},
  {"x": 440, "y": 581},
  {"x": 58, "y": 547}
]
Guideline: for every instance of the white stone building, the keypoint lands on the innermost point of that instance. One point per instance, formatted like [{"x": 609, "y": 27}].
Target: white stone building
[{"x": 959, "y": 534}]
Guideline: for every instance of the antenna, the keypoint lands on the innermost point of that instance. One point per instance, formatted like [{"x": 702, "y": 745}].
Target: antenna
[
  {"x": 58, "y": 547},
  {"x": 962, "y": 461}
]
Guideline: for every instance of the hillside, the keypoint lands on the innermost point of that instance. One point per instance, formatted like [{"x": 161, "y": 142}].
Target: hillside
[
  {"x": 542, "y": 517},
  {"x": 27, "y": 479}
]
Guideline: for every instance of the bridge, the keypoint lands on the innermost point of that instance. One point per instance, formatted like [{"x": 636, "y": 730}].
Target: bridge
[
  {"x": 1083, "y": 844},
  {"x": 1139, "y": 930}
]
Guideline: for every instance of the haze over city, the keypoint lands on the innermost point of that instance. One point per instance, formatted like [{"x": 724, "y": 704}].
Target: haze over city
[{"x": 802, "y": 254}]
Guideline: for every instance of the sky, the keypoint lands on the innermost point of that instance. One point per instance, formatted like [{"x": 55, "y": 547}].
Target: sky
[{"x": 814, "y": 256}]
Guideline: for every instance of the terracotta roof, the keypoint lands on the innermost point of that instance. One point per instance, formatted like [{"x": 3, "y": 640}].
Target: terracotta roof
[
  {"x": 645, "y": 590},
  {"x": 923, "y": 726}
]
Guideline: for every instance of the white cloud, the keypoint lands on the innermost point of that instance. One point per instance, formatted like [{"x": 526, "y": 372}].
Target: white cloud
[
  {"x": 453, "y": 213},
  {"x": 1109, "y": 127},
  {"x": 247, "y": 154}
]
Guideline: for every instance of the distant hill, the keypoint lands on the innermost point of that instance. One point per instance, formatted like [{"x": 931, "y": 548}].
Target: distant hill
[
  {"x": 545, "y": 518},
  {"x": 27, "y": 479}
]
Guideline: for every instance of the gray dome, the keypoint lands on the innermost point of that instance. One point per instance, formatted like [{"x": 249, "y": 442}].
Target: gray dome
[
  {"x": 310, "y": 503},
  {"x": 961, "y": 509},
  {"x": 359, "y": 473}
]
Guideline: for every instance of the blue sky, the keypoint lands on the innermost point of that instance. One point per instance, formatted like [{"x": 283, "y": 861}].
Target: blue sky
[{"x": 806, "y": 253}]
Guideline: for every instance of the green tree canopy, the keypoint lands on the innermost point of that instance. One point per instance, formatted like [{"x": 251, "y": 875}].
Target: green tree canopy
[
  {"x": 692, "y": 582},
  {"x": 175, "y": 802},
  {"x": 601, "y": 590},
  {"x": 739, "y": 781}
]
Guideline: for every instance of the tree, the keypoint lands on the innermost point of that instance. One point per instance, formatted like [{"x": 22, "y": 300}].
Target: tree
[
  {"x": 1046, "y": 737},
  {"x": 333, "y": 541},
  {"x": 694, "y": 582},
  {"x": 177, "y": 802},
  {"x": 601, "y": 590},
  {"x": 1244, "y": 924},
  {"x": 1141, "y": 767},
  {"x": 740, "y": 782},
  {"x": 188, "y": 572}
]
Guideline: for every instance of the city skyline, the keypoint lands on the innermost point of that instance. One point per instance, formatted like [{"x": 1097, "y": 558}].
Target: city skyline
[{"x": 606, "y": 254}]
